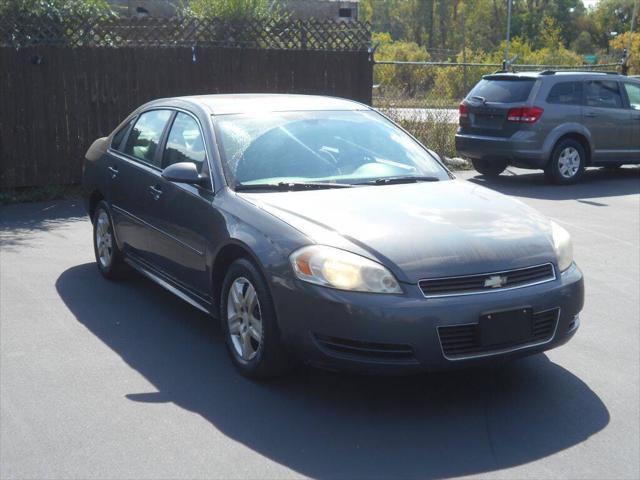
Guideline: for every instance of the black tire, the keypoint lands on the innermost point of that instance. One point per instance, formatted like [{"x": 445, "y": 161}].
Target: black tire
[
  {"x": 115, "y": 268},
  {"x": 558, "y": 171},
  {"x": 269, "y": 356},
  {"x": 489, "y": 167}
]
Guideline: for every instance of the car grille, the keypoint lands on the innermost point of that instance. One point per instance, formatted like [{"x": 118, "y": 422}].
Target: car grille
[
  {"x": 487, "y": 282},
  {"x": 463, "y": 341},
  {"x": 367, "y": 351}
]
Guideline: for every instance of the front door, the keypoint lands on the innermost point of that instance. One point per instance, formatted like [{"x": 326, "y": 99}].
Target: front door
[
  {"x": 633, "y": 95},
  {"x": 183, "y": 214},
  {"x": 608, "y": 120}
]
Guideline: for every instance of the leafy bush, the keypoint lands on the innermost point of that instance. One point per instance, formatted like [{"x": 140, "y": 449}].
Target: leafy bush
[
  {"x": 233, "y": 9},
  {"x": 405, "y": 79}
]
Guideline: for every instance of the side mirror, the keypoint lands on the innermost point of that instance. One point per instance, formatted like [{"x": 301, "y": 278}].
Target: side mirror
[{"x": 183, "y": 172}]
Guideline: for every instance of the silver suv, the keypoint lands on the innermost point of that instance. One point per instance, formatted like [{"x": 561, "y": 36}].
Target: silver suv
[{"x": 557, "y": 121}]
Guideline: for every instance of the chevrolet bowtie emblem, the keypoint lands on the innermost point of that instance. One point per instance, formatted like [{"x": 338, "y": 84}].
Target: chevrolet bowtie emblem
[{"x": 495, "y": 281}]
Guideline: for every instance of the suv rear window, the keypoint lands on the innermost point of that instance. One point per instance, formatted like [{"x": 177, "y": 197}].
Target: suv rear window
[{"x": 503, "y": 90}]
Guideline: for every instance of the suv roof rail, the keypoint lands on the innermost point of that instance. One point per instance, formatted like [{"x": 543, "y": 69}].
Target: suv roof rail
[{"x": 603, "y": 72}]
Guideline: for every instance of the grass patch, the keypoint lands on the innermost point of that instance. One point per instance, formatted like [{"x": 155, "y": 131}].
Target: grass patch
[{"x": 39, "y": 194}]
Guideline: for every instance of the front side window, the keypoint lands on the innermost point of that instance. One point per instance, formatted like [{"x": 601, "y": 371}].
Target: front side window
[
  {"x": 603, "y": 94},
  {"x": 566, "y": 93},
  {"x": 143, "y": 140},
  {"x": 184, "y": 143},
  {"x": 347, "y": 147},
  {"x": 633, "y": 92}
]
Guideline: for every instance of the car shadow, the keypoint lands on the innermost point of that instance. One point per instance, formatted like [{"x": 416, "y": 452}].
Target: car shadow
[
  {"x": 329, "y": 425},
  {"x": 595, "y": 183}
]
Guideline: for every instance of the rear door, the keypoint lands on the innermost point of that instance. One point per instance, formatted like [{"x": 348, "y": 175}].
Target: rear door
[
  {"x": 491, "y": 100},
  {"x": 134, "y": 166},
  {"x": 608, "y": 120},
  {"x": 633, "y": 97}
]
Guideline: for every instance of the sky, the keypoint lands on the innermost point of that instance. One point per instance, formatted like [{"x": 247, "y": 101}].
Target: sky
[{"x": 589, "y": 3}]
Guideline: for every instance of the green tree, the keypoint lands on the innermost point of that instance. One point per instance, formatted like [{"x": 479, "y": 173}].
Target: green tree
[{"x": 234, "y": 9}]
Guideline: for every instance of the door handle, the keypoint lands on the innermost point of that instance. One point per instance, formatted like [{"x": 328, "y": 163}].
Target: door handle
[
  {"x": 590, "y": 114},
  {"x": 155, "y": 192},
  {"x": 114, "y": 172}
]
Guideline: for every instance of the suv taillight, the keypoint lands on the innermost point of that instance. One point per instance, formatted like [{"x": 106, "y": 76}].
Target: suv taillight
[
  {"x": 525, "y": 114},
  {"x": 463, "y": 111}
]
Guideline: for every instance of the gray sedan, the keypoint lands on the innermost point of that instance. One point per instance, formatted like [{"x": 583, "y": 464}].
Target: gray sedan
[{"x": 317, "y": 230}]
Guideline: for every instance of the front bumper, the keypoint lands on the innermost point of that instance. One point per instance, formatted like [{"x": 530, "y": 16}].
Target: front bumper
[
  {"x": 373, "y": 332},
  {"x": 522, "y": 151}
]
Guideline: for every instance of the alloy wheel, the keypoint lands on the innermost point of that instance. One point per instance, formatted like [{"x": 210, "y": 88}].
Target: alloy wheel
[
  {"x": 244, "y": 319},
  {"x": 569, "y": 162},
  {"x": 104, "y": 239}
]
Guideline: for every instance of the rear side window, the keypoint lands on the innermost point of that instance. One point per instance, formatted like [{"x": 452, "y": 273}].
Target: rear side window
[
  {"x": 633, "y": 92},
  {"x": 116, "y": 143},
  {"x": 503, "y": 91},
  {"x": 603, "y": 94},
  {"x": 184, "y": 143},
  {"x": 143, "y": 140},
  {"x": 566, "y": 93}
]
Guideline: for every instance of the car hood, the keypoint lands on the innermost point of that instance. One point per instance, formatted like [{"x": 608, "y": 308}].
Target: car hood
[{"x": 420, "y": 230}]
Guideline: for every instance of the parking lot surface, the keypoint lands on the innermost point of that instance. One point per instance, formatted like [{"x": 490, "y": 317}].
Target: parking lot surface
[{"x": 122, "y": 380}]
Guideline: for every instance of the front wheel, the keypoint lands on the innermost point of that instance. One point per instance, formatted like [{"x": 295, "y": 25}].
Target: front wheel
[
  {"x": 567, "y": 163},
  {"x": 249, "y": 323},
  {"x": 490, "y": 167}
]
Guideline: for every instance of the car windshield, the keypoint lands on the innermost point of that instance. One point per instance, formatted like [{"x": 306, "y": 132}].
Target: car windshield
[{"x": 324, "y": 147}]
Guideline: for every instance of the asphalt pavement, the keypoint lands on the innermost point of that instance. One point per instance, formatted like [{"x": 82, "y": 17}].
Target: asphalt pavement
[{"x": 122, "y": 380}]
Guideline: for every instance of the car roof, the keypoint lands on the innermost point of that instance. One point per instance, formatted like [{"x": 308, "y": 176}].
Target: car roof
[
  {"x": 553, "y": 74},
  {"x": 225, "y": 104}
]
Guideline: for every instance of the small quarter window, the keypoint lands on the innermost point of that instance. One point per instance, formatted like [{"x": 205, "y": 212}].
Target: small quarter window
[
  {"x": 566, "y": 93},
  {"x": 143, "y": 140},
  {"x": 116, "y": 142},
  {"x": 184, "y": 143},
  {"x": 603, "y": 94}
]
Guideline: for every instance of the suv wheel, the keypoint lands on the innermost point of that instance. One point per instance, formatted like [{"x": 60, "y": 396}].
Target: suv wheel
[
  {"x": 567, "y": 162},
  {"x": 249, "y": 324},
  {"x": 489, "y": 167},
  {"x": 108, "y": 256}
]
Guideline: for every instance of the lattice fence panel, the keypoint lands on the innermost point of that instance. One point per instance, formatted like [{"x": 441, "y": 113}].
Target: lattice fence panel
[{"x": 107, "y": 31}]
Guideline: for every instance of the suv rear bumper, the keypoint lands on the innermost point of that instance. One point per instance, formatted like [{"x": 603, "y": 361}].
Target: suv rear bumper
[{"x": 520, "y": 153}]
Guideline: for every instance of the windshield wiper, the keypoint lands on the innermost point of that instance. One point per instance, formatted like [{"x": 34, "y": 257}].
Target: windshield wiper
[
  {"x": 289, "y": 186},
  {"x": 402, "y": 179}
]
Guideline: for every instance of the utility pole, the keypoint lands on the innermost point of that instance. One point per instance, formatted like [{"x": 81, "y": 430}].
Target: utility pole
[
  {"x": 506, "y": 52},
  {"x": 626, "y": 53}
]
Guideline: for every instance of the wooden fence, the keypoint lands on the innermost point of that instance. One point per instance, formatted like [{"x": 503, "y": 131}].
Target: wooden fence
[{"x": 55, "y": 100}]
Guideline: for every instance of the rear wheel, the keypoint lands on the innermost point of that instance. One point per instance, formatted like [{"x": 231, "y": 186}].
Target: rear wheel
[
  {"x": 567, "y": 162},
  {"x": 489, "y": 167},
  {"x": 249, "y": 323},
  {"x": 108, "y": 256}
]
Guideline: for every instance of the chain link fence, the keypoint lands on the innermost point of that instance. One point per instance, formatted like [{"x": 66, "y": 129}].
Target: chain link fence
[{"x": 424, "y": 96}]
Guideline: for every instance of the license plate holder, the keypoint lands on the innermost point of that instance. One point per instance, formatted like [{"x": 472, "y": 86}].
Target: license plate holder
[{"x": 506, "y": 327}]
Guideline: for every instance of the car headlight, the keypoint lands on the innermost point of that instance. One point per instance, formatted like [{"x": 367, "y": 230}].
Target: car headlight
[
  {"x": 562, "y": 245},
  {"x": 332, "y": 267}
]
